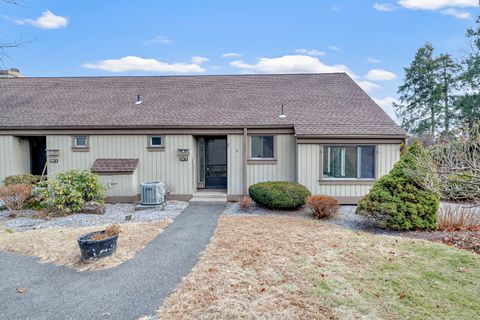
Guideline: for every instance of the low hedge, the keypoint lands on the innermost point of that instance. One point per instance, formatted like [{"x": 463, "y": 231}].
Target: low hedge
[
  {"x": 279, "y": 194},
  {"x": 28, "y": 179}
]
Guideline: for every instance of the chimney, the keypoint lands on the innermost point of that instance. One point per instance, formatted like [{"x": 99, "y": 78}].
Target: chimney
[{"x": 11, "y": 73}]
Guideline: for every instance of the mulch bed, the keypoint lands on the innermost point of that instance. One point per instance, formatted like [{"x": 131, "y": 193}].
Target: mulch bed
[{"x": 468, "y": 240}]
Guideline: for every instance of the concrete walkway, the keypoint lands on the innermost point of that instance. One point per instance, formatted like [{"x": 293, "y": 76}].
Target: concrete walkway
[{"x": 135, "y": 288}]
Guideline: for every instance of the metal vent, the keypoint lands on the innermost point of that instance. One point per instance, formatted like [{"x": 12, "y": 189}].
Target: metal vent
[{"x": 151, "y": 193}]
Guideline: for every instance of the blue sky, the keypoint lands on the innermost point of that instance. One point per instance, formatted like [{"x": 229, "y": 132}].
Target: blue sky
[{"x": 371, "y": 40}]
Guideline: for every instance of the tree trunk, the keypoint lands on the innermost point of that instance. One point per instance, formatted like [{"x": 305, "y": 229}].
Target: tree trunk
[
  {"x": 432, "y": 121},
  {"x": 445, "y": 96}
]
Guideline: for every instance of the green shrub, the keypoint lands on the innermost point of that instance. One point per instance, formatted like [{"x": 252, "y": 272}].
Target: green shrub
[
  {"x": 397, "y": 202},
  {"x": 22, "y": 179},
  {"x": 69, "y": 190},
  {"x": 279, "y": 194}
]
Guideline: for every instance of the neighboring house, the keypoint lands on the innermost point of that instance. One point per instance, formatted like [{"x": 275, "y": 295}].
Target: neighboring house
[
  {"x": 10, "y": 73},
  {"x": 200, "y": 132}
]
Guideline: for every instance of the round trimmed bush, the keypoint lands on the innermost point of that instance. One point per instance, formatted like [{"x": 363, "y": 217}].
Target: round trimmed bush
[{"x": 279, "y": 194}]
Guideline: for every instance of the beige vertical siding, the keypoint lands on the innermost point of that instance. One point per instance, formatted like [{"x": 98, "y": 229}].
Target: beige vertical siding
[
  {"x": 153, "y": 166},
  {"x": 389, "y": 154},
  {"x": 121, "y": 185},
  {"x": 235, "y": 164},
  {"x": 308, "y": 170},
  {"x": 283, "y": 170},
  {"x": 14, "y": 156}
]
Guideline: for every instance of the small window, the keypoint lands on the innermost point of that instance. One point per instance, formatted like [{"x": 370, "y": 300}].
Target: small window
[
  {"x": 80, "y": 142},
  {"x": 262, "y": 147},
  {"x": 354, "y": 162},
  {"x": 156, "y": 141}
]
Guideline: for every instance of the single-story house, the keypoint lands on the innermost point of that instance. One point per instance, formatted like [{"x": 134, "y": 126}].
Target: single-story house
[{"x": 200, "y": 132}]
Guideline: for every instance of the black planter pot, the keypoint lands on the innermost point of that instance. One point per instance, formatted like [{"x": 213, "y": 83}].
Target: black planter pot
[{"x": 96, "y": 249}]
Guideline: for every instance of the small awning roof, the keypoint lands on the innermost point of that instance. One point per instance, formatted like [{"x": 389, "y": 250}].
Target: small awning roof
[{"x": 114, "y": 165}]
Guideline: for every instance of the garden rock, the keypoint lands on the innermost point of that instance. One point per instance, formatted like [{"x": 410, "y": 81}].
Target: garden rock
[{"x": 93, "y": 207}]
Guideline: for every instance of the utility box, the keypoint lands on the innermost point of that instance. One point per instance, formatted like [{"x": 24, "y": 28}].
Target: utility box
[{"x": 152, "y": 193}]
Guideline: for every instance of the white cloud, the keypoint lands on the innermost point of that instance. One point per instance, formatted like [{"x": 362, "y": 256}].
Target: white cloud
[
  {"x": 299, "y": 64},
  {"x": 290, "y": 64},
  {"x": 334, "y": 48},
  {"x": 199, "y": 60},
  {"x": 387, "y": 105},
  {"x": 231, "y": 55},
  {"x": 367, "y": 85},
  {"x": 373, "y": 60},
  {"x": 437, "y": 4},
  {"x": 459, "y": 14},
  {"x": 48, "y": 20},
  {"x": 133, "y": 63},
  {"x": 384, "y": 7},
  {"x": 158, "y": 40},
  {"x": 380, "y": 75},
  {"x": 311, "y": 52}
]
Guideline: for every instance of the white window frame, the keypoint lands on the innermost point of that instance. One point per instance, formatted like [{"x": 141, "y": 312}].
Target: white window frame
[
  {"x": 274, "y": 147},
  {"x": 327, "y": 152},
  {"x": 77, "y": 146},
  {"x": 150, "y": 145}
]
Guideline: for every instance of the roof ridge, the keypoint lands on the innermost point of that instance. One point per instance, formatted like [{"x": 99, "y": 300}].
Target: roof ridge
[{"x": 182, "y": 76}]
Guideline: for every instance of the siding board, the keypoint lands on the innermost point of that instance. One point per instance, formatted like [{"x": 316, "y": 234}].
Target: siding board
[
  {"x": 309, "y": 170},
  {"x": 14, "y": 156},
  {"x": 153, "y": 166}
]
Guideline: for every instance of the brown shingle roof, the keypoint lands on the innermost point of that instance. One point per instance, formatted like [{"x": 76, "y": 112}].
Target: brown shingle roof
[
  {"x": 315, "y": 104},
  {"x": 114, "y": 165}
]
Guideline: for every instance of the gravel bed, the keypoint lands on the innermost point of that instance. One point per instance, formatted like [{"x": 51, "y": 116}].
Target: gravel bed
[
  {"x": 232, "y": 208},
  {"x": 346, "y": 216},
  {"x": 114, "y": 213}
]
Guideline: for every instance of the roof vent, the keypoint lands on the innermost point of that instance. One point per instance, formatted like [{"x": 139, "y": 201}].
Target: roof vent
[
  {"x": 139, "y": 100},
  {"x": 282, "y": 115}
]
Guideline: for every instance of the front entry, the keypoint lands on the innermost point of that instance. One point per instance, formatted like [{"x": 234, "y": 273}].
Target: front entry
[
  {"x": 213, "y": 150},
  {"x": 38, "y": 155}
]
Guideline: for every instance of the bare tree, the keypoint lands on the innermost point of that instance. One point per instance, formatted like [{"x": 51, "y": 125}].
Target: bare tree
[
  {"x": 453, "y": 169},
  {"x": 8, "y": 45}
]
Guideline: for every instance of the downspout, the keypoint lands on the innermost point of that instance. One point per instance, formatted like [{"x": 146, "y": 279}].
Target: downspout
[{"x": 245, "y": 157}]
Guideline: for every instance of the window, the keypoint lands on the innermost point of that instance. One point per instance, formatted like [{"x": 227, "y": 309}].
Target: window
[
  {"x": 354, "y": 162},
  {"x": 262, "y": 147},
  {"x": 155, "y": 141},
  {"x": 80, "y": 142}
]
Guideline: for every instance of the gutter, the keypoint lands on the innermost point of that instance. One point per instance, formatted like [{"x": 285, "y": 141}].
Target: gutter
[{"x": 245, "y": 161}]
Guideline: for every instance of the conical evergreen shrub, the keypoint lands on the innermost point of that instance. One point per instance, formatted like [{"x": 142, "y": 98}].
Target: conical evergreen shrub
[{"x": 397, "y": 202}]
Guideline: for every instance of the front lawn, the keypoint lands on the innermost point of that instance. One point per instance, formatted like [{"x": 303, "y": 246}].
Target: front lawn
[
  {"x": 287, "y": 267},
  {"x": 59, "y": 245}
]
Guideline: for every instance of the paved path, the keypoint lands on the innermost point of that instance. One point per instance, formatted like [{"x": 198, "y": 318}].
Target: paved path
[{"x": 129, "y": 291}]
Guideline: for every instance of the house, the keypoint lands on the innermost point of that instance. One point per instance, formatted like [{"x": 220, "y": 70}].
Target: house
[{"x": 199, "y": 132}]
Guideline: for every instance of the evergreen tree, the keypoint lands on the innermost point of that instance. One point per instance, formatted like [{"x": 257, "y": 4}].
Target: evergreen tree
[
  {"x": 421, "y": 95},
  {"x": 468, "y": 105},
  {"x": 447, "y": 76}
]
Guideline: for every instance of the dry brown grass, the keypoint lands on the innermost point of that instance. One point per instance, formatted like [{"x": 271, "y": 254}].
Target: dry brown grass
[
  {"x": 295, "y": 268},
  {"x": 59, "y": 245},
  {"x": 249, "y": 271},
  {"x": 453, "y": 217}
]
